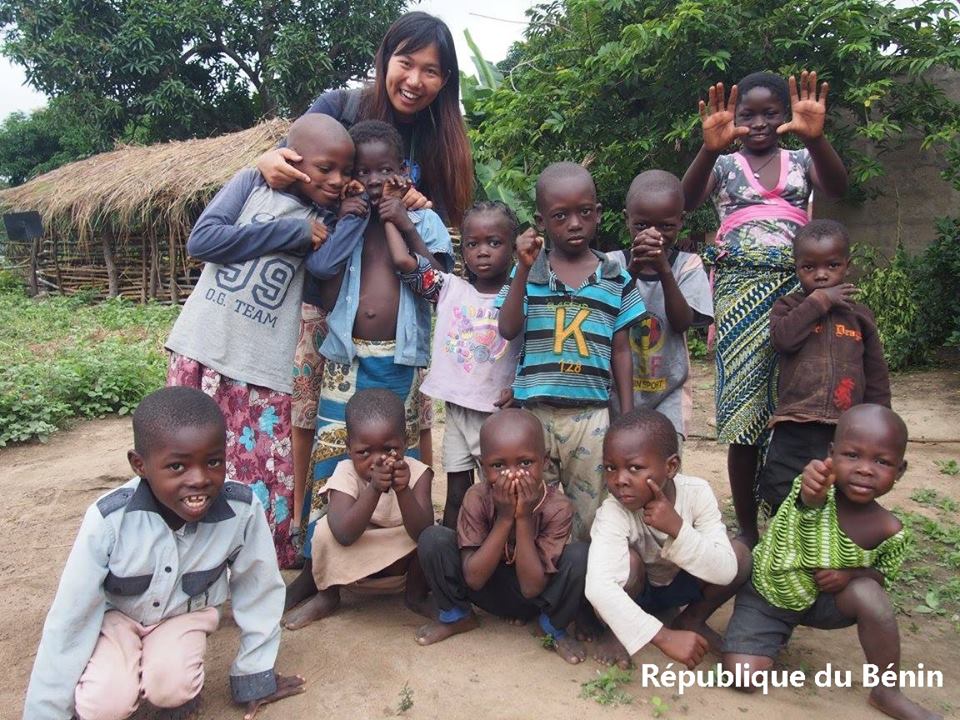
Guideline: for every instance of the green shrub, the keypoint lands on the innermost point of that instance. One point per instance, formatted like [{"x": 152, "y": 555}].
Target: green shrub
[
  {"x": 11, "y": 282},
  {"x": 67, "y": 358},
  {"x": 939, "y": 286},
  {"x": 914, "y": 298},
  {"x": 889, "y": 289}
]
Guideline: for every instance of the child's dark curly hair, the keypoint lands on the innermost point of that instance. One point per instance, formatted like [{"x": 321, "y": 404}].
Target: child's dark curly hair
[
  {"x": 374, "y": 405},
  {"x": 772, "y": 82},
  {"x": 377, "y": 131}
]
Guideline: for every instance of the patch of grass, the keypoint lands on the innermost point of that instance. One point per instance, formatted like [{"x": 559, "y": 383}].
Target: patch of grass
[
  {"x": 65, "y": 357},
  {"x": 405, "y": 701},
  {"x": 547, "y": 642},
  {"x": 605, "y": 688},
  {"x": 948, "y": 467},
  {"x": 931, "y": 498},
  {"x": 928, "y": 582},
  {"x": 658, "y": 707}
]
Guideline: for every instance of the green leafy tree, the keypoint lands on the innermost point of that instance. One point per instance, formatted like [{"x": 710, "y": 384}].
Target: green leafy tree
[
  {"x": 148, "y": 70},
  {"x": 618, "y": 81},
  {"x": 31, "y": 144}
]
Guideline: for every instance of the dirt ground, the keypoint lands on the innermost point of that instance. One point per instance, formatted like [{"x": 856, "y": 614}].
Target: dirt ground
[{"x": 357, "y": 662}]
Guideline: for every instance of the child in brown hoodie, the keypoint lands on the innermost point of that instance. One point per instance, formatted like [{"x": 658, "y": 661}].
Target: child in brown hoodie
[{"x": 830, "y": 357}]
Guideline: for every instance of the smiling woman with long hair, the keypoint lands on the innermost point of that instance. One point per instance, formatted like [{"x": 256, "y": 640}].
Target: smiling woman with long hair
[{"x": 415, "y": 88}]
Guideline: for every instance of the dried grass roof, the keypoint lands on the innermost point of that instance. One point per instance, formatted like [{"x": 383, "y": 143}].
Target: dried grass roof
[{"x": 141, "y": 187}]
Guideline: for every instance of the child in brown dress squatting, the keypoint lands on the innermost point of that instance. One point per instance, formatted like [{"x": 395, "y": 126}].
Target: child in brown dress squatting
[
  {"x": 379, "y": 503},
  {"x": 509, "y": 554}
]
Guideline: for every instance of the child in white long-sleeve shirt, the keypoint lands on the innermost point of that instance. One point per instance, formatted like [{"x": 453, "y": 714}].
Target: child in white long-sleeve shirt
[{"x": 657, "y": 543}]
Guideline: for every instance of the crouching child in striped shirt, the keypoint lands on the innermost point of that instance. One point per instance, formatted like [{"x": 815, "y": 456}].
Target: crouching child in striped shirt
[
  {"x": 829, "y": 555},
  {"x": 658, "y": 544},
  {"x": 574, "y": 307},
  {"x": 152, "y": 563}
]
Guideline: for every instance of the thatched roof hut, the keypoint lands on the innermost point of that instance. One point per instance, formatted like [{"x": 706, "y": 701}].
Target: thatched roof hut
[{"x": 119, "y": 220}]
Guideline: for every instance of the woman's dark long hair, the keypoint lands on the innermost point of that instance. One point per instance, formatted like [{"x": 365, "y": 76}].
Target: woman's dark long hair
[{"x": 443, "y": 148}]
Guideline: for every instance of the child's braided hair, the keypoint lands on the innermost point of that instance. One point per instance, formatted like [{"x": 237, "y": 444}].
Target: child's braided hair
[{"x": 482, "y": 206}]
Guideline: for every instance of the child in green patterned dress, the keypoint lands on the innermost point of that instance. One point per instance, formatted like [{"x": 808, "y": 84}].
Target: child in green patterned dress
[{"x": 828, "y": 556}]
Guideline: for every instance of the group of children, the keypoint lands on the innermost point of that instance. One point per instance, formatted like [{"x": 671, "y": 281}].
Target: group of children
[{"x": 584, "y": 525}]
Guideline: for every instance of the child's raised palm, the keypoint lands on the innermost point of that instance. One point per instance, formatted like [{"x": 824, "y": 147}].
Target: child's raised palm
[
  {"x": 717, "y": 117},
  {"x": 807, "y": 111}
]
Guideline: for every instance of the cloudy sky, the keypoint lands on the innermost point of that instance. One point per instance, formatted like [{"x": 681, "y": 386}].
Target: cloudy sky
[{"x": 493, "y": 36}]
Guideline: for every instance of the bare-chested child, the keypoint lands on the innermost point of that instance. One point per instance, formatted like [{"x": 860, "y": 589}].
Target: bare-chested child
[
  {"x": 378, "y": 504},
  {"x": 828, "y": 555},
  {"x": 509, "y": 554},
  {"x": 658, "y": 543},
  {"x": 379, "y": 332}
]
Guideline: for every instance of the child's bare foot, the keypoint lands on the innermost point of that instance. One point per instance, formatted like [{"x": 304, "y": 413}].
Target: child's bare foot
[
  {"x": 610, "y": 651},
  {"x": 895, "y": 704},
  {"x": 424, "y": 605},
  {"x": 321, "y": 605},
  {"x": 701, "y": 628},
  {"x": 587, "y": 628},
  {"x": 570, "y": 649},
  {"x": 516, "y": 622},
  {"x": 188, "y": 711},
  {"x": 586, "y": 634},
  {"x": 301, "y": 588},
  {"x": 434, "y": 632}
]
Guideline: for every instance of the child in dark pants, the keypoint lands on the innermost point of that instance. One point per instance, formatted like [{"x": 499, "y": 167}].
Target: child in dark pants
[
  {"x": 658, "y": 543},
  {"x": 830, "y": 358},
  {"x": 509, "y": 554},
  {"x": 829, "y": 557}
]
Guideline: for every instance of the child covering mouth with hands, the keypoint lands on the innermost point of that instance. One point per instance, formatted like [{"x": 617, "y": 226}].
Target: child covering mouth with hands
[{"x": 509, "y": 554}]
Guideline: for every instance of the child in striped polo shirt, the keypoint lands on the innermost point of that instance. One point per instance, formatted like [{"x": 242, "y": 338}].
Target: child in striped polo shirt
[
  {"x": 829, "y": 556},
  {"x": 574, "y": 307}
]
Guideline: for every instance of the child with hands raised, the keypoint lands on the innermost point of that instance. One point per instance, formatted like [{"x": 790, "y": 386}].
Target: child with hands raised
[
  {"x": 829, "y": 556},
  {"x": 509, "y": 554},
  {"x": 675, "y": 292},
  {"x": 761, "y": 195},
  {"x": 319, "y": 297},
  {"x": 831, "y": 357},
  {"x": 378, "y": 504},
  {"x": 657, "y": 544}
]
